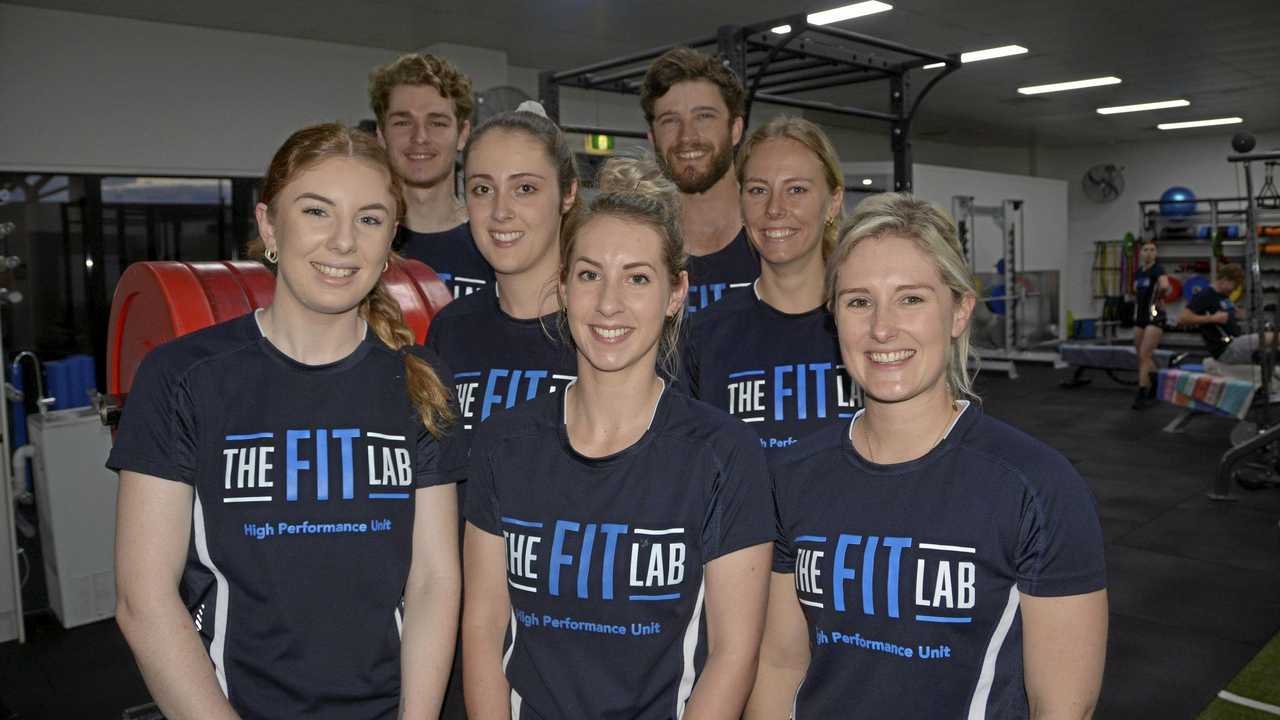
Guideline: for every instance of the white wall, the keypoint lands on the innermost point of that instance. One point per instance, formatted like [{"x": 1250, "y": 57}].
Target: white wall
[
  {"x": 1044, "y": 212},
  {"x": 1198, "y": 162},
  {"x": 86, "y": 93}
]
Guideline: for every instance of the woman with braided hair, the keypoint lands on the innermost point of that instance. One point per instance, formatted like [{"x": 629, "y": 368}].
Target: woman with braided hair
[{"x": 287, "y": 533}]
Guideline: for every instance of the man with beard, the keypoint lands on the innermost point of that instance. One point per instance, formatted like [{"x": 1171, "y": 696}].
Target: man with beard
[
  {"x": 423, "y": 105},
  {"x": 694, "y": 107}
]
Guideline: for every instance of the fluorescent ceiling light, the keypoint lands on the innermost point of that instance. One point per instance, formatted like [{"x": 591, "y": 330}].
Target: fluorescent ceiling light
[
  {"x": 866, "y": 181},
  {"x": 782, "y": 29},
  {"x": 1200, "y": 123},
  {"x": 1073, "y": 85},
  {"x": 992, "y": 53},
  {"x": 848, "y": 12},
  {"x": 1161, "y": 105},
  {"x": 988, "y": 54}
]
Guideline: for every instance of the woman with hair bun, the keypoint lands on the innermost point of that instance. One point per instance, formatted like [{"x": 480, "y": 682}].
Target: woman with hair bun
[
  {"x": 617, "y": 533},
  {"x": 520, "y": 185},
  {"x": 286, "y": 541},
  {"x": 769, "y": 357},
  {"x": 930, "y": 561}
]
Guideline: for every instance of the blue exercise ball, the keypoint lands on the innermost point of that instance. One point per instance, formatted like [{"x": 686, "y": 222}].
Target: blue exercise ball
[
  {"x": 997, "y": 306},
  {"x": 1177, "y": 202}
]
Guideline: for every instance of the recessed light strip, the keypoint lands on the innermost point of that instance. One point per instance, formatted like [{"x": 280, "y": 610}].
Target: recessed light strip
[
  {"x": 1073, "y": 85},
  {"x": 1200, "y": 123},
  {"x": 848, "y": 12},
  {"x": 1159, "y": 105},
  {"x": 839, "y": 14},
  {"x": 988, "y": 54}
]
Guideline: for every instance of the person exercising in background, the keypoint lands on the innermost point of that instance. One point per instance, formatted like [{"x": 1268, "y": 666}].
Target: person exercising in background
[
  {"x": 423, "y": 106},
  {"x": 1213, "y": 313},
  {"x": 1150, "y": 285},
  {"x": 695, "y": 107}
]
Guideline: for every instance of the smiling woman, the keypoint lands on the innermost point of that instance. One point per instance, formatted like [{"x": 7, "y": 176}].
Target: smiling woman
[
  {"x": 675, "y": 488},
  {"x": 995, "y": 579},
  {"x": 203, "y": 563},
  {"x": 769, "y": 356}
]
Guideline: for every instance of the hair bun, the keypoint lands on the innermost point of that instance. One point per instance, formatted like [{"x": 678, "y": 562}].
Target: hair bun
[
  {"x": 533, "y": 107},
  {"x": 635, "y": 175}
]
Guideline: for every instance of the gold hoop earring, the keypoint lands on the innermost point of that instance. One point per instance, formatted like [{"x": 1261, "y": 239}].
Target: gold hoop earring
[
  {"x": 386, "y": 264},
  {"x": 272, "y": 256}
]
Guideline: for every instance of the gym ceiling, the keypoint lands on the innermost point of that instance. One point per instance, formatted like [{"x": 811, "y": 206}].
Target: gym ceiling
[{"x": 1223, "y": 56}]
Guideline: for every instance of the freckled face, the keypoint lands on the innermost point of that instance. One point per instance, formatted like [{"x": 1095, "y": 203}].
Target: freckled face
[{"x": 332, "y": 227}]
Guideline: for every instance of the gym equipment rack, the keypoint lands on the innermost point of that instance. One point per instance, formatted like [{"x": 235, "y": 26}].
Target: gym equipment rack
[
  {"x": 1261, "y": 441},
  {"x": 773, "y": 66}
]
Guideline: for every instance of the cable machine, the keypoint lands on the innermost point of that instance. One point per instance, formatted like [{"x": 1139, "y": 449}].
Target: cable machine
[{"x": 775, "y": 60}]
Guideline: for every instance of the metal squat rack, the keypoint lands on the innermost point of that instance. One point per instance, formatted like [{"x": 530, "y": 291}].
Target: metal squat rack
[
  {"x": 1008, "y": 218},
  {"x": 773, "y": 67}
]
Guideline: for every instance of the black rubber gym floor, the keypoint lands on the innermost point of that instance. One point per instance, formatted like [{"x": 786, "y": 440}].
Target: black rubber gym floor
[{"x": 1194, "y": 585}]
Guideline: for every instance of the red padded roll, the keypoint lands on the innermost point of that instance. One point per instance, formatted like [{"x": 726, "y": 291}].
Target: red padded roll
[{"x": 157, "y": 301}]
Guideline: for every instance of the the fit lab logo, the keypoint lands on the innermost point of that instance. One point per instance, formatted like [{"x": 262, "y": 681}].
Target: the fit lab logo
[
  {"x": 316, "y": 465},
  {"x": 461, "y": 286},
  {"x": 788, "y": 393},
  {"x": 892, "y": 577},
  {"x": 481, "y": 393},
  {"x": 598, "y": 561},
  {"x": 706, "y": 294}
]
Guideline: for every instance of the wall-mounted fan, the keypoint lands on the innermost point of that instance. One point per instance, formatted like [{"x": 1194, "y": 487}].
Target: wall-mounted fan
[{"x": 1103, "y": 183}]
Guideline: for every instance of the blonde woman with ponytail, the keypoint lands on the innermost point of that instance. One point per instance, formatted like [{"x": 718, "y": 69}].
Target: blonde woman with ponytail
[
  {"x": 931, "y": 561},
  {"x": 769, "y": 356},
  {"x": 617, "y": 532},
  {"x": 287, "y": 532}
]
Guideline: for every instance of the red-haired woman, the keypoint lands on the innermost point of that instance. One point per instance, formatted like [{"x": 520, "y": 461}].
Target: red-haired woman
[{"x": 287, "y": 533}]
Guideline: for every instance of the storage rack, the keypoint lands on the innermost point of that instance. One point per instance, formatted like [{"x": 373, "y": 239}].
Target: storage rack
[{"x": 1178, "y": 239}]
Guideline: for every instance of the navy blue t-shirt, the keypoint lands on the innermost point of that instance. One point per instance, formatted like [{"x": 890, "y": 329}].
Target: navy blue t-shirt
[
  {"x": 1217, "y": 336},
  {"x": 779, "y": 372},
  {"x": 732, "y": 267},
  {"x": 1146, "y": 288},
  {"x": 498, "y": 361},
  {"x": 606, "y": 555},
  {"x": 452, "y": 254},
  {"x": 302, "y": 522},
  {"x": 909, "y": 575}
]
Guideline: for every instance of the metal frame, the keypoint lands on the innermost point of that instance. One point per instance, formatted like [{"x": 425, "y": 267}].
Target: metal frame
[
  {"x": 1267, "y": 433},
  {"x": 772, "y": 68},
  {"x": 1008, "y": 217}
]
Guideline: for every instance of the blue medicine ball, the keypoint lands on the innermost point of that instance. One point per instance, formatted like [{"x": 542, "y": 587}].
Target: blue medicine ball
[{"x": 1177, "y": 202}]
